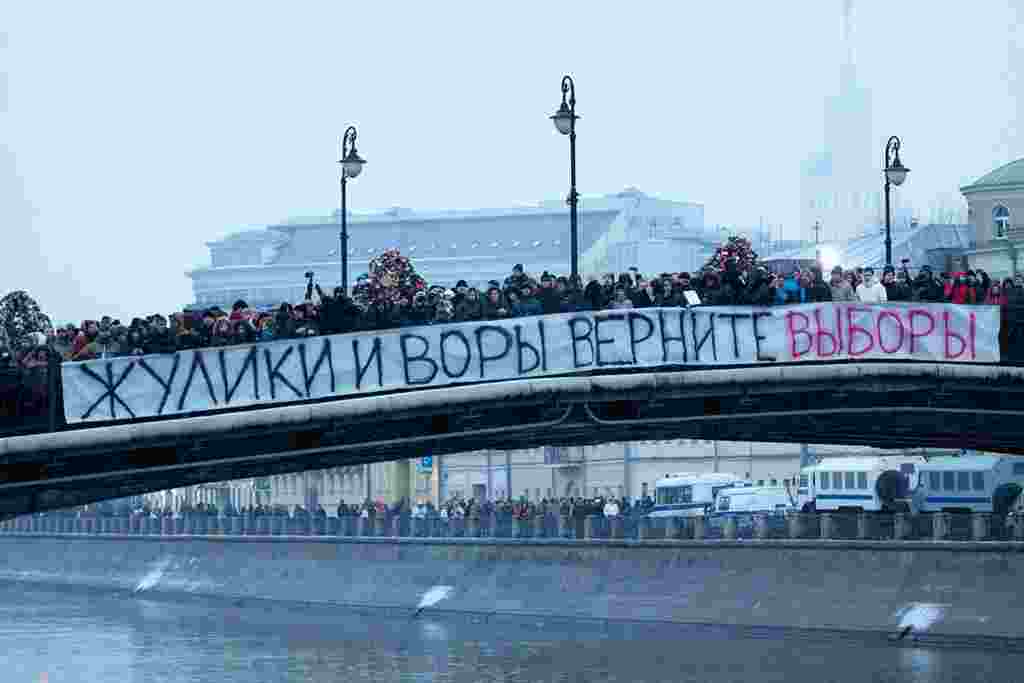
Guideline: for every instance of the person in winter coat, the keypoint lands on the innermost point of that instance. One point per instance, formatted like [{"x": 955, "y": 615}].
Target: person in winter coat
[
  {"x": 872, "y": 291},
  {"x": 549, "y": 297},
  {"x": 470, "y": 307},
  {"x": 593, "y": 293},
  {"x": 495, "y": 307},
  {"x": 842, "y": 291},
  {"x": 818, "y": 291},
  {"x": 620, "y": 300},
  {"x": 926, "y": 288},
  {"x": 996, "y": 296}
]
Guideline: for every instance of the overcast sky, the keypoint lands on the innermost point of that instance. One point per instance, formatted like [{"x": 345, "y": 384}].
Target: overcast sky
[{"x": 130, "y": 135}]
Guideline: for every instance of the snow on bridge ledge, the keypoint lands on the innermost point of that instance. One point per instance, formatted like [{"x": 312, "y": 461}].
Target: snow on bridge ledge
[{"x": 446, "y": 400}]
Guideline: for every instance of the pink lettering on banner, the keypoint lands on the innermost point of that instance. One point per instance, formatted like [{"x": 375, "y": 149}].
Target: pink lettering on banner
[
  {"x": 899, "y": 326},
  {"x": 857, "y": 329},
  {"x": 914, "y": 333},
  {"x": 792, "y": 331},
  {"x": 821, "y": 332},
  {"x": 967, "y": 344}
]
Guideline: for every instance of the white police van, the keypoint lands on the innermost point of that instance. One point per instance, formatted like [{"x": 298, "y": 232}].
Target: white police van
[
  {"x": 863, "y": 484},
  {"x": 746, "y": 500},
  {"x": 969, "y": 483},
  {"x": 689, "y": 494}
]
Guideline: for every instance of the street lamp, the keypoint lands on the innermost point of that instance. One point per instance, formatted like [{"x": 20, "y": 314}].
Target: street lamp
[
  {"x": 351, "y": 166},
  {"x": 565, "y": 122},
  {"x": 895, "y": 174}
]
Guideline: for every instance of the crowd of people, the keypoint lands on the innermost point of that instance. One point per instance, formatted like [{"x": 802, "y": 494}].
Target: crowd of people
[
  {"x": 376, "y": 303},
  {"x": 519, "y": 295},
  {"x": 455, "y": 508}
]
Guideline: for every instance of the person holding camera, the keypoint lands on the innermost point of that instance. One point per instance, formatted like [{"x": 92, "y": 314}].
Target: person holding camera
[{"x": 338, "y": 313}]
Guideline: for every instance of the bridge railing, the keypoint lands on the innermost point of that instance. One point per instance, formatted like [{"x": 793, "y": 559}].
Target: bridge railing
[{"x": 945, "y": 527}]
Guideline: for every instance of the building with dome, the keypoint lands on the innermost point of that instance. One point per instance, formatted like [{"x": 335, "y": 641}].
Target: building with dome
[
  {"x": 265, "y": 267},
  {"x": 995, "y": 207}
]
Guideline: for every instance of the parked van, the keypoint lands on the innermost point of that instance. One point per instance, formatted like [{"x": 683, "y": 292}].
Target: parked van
[
  {"x": 971, "y": 483},
  {"x": 753, "y": 499},
  {"x": 688, "y": 494},
  {"x": 865, "y": 484}
]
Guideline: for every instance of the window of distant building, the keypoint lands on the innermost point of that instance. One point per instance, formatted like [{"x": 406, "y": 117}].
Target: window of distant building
[{"x": 1000, "y": 222}]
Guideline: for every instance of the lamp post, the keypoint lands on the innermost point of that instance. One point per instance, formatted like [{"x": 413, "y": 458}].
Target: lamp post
[
  {"x": 895, "y": 174},
  {"x": 351, "y": 166},
  {"x": 565, "y": 122},
  {"x": 817, "y": 243}
]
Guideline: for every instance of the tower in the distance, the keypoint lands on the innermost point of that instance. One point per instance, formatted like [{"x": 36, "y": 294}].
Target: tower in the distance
[{"x": 839, "y": 183}]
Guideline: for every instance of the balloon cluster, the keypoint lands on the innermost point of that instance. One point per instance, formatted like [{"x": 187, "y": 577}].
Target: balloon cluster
[
  {"x": 736, "y": 249},
  {"x": 21, "y": 320},
  {"x": 392, "y": 278}
]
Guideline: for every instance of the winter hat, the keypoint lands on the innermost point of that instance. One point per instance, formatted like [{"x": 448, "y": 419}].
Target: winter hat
[
  {"x": 517, "y": 268},
  {"x": 888, "y": 269},
  {"x": 837, "y": 270},
  {"x": 461, "y": 283}
]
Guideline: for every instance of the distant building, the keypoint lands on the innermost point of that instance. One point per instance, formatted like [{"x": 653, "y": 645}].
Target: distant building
[
  {"x": 841, "y": 183},
  {"x": 995, "y": 207},
  {"x": 265, "y": 267},
  {"x": 614, "y": 469},
  {"x": 943, "y": 247}
]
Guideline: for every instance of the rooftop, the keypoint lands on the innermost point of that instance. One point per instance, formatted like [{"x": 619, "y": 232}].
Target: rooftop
[
  {"x": 397, "y": 214},
  {"x": 1008, "y": 177}
]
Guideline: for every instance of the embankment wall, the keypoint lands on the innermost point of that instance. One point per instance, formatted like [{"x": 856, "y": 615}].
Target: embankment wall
[{"x": 975, "y": 587}]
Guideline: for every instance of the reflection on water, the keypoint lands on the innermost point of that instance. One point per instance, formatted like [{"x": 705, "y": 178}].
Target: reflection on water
[{"x": 86, "y": 636}]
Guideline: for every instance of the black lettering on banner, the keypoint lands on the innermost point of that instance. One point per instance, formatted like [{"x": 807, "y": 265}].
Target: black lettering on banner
[
  {"x": 444, "y": 356},
  {"x": 520, "y": 346},
  {"x": 421, "y": 358},
  {"x": 325, "y": 354},
  {"x": 667, "y": 339},
  {"x": 274, "y": 372},
  {"x": 110, "y": 387},
  {"x": 251, "y": 361},
  {"x": 577, "y": 338},
  {"x": 598, "y": 341},
  {"x": 699, "y": 344},
  {"x": 758, "y": 338},
  {"x": 479, "y": 332},
  {"x": 543, "y": 345},
  {"x": 361, "y": 368},
  {"x": 634, "y": 341},
  {"x": 165, "y": 385},
  {"x": 735, "y": 338},
  {"x": 197, "y": 362}
]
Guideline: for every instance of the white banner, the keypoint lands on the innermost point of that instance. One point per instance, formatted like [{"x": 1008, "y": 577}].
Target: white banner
[{"x": 343, "y": 365}]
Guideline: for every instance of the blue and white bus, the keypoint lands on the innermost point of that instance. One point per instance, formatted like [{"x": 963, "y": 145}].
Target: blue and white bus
[
  {"x": 970, "y": 483},
  {"x": 688, "y": 494},
  {"x": 864, "y": 484}
]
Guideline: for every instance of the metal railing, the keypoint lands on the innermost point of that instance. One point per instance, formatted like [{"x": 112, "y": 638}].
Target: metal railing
[{"x": 942, "y": 526}]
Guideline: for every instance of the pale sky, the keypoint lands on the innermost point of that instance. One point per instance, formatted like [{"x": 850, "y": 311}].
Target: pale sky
[{"x": 133, "y": 134}]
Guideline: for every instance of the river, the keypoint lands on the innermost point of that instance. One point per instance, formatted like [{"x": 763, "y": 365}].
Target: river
[{"x": 51, "y": 634}]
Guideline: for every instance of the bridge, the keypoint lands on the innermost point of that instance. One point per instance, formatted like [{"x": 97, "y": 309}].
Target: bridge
[{"x": 873, "y": 403}]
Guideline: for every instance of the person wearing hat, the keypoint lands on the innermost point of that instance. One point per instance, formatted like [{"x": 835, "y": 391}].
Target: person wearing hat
[
  {"x": 549, "y": 298},
  {"x": 926, "y": 287},
  {"x": 518, "y": 278},
  {"x": 495, "y": 307},
  {"x": 871, "y": 291},
  {"x": 460, "y": 292},
  {"x": 841, "y": 289}
]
